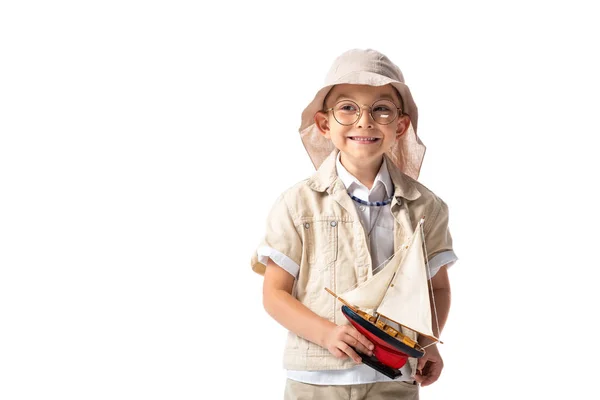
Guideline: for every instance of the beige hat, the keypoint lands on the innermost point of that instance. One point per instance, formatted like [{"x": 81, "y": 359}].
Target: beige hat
[{"x": 365, "y": 67}]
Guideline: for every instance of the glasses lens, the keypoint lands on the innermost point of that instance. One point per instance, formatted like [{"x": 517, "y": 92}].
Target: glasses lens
[
  {"x": 384, "y": 112},
  {"x": 346, "y": 112}
]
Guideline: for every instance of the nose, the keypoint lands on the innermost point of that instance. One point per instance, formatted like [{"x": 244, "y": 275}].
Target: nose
[{"x": 365, "y": 120}]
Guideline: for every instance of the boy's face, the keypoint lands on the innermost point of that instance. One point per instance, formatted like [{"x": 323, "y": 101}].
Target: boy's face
[{"x": 365, "y": 141}]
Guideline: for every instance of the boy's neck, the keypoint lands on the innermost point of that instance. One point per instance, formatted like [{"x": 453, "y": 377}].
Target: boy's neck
[{"x": 364, "y": 172}]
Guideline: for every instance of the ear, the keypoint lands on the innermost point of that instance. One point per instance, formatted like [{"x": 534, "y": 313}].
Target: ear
[
  {"x": 403, "y": 125},
  {"x": 322, "y": 123}
]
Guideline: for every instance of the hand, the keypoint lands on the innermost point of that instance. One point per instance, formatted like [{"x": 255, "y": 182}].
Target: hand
[
  {"x": 429, "y": 366},
  {"x": 341, "y": 339}
]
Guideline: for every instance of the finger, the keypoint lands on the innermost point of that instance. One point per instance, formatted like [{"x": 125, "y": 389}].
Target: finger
[
  {"x": 421, "y": 362},
  {"x": 421, "y": 373},
  {"x": 359, "y": 338},
  {"x": 337, "y": 353},
  {"x": 352, "y": 341},
  {"x": 429, "y": 380},
  {"x": 432, "y": 374},
  {"x": 350, "y": 352},
  {"x": 362, "y": 339}
]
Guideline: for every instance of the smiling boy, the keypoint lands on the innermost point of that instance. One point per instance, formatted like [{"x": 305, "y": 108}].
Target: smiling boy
[{"x": 335, "y": 228}]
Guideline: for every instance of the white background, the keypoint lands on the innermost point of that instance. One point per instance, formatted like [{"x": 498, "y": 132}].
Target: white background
[{"x": 142, "y": 144}]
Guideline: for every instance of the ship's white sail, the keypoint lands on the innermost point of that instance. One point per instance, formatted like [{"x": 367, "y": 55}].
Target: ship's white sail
[
  {"x": 406, "y": 300},
  {"x": 368, "y": 295},
  {"x": 399, "y": 291}
]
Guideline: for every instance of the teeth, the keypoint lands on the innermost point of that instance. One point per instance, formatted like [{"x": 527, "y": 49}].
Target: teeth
[{"x": 364, "y": 139}]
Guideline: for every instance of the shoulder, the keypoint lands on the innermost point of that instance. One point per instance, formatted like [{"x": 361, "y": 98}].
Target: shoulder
[
  {"x": 428, "y": 194},
  {"x": 429, "y": 204},
  {"x": 415, "y": 193},
  {"x": 299, "y": 189},
  {"x": 299, "y": 198}
]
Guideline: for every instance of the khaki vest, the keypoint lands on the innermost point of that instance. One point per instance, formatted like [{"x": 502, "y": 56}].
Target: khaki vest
[{"x": 315, "y": 223}]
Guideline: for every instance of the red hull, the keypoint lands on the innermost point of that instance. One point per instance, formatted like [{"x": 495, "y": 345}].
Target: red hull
[{"x": 385, "y": 353}]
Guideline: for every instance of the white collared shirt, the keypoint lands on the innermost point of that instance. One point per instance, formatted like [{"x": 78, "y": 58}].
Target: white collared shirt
[{"x": 379, "y": 221}]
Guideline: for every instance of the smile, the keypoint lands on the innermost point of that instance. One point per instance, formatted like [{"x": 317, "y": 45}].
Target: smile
[{"x": 363, "y": 139}]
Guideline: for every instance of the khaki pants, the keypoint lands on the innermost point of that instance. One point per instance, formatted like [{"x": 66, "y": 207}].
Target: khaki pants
[{"x": 372, "y": 391}]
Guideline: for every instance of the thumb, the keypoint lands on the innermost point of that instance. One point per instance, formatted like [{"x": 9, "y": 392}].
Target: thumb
[{"x": 421, "y": 363}]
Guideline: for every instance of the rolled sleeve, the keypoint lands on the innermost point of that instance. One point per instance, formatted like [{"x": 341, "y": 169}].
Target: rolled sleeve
[
  {"x": 444, "y": 258},
  {"x": 283, "y": 240},
  {"x": 266, "y": 252}
]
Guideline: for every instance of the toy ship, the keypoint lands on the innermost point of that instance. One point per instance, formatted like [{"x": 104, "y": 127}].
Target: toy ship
[{"x": 398, "y": 292}]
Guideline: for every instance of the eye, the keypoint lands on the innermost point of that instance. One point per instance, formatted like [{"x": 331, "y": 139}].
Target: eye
[
  {"x": 347, "y": 107},
  {"x": 384, "y": 110},
  {"x": 381, "y": 108}
]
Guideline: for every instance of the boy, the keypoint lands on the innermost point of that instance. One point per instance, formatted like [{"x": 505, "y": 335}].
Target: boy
[{"x": 333, "y": 229}]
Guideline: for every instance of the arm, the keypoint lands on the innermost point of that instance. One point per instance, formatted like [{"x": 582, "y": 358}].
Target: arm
[
  {"x": 440, "y": 285},
  {"x": 430, "y": 365},
  {"x": 293, "y": 315}
]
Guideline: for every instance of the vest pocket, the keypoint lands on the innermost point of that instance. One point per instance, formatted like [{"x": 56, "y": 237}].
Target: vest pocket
[
  {"x": 321, "y": 238},
  {"x": 321, "y": 252}
]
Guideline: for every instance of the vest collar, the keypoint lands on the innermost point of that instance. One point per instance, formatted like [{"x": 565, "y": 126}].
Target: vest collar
[{"x": 326, "y": 179}]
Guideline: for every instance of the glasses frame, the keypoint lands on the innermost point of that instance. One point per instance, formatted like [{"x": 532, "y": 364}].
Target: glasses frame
[{"x": 360, "y": 110}]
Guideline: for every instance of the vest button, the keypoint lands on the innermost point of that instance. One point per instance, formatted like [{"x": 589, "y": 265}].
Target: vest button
[
  {"x": 333, "y": 223},
  {"x": 306, "y": 225}
]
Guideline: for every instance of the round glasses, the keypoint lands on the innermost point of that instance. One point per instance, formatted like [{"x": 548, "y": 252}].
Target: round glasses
[{"x": 347, "y": 112}]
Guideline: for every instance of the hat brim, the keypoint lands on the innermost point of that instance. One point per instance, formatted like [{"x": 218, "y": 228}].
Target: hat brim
[{"x": 407, "y": 153}]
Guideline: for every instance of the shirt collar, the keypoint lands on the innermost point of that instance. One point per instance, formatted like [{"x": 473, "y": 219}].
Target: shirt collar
[
  {"x": 324, "y": 179},
  {"x": 354, "y": 185}
]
